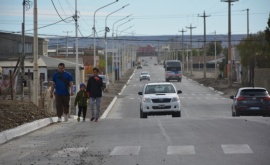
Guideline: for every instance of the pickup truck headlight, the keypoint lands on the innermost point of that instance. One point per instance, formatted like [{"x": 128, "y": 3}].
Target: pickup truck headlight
[
  {"x": 175, "y": 99},
  {"x": 147, "y": 100}
]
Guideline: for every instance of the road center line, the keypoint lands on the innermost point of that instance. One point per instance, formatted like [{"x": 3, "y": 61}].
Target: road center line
[{"x": 163, "y": 132}]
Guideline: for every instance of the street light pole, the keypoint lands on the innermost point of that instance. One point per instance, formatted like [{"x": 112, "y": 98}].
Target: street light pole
[
  {"x": 114, "y": 54},
  {"x": 125, "y": 29},
  {"x": 117, "y": 22},
  {"x": 118, "y": 45},
  {"x": 94, "y": 29},
  {"x": 107, "y": 30},
  {"x": 121, "y": 25}
]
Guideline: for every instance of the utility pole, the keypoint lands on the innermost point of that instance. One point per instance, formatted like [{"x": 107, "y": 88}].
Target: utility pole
[
  {"x": 22, "y": 53},
  {"x": 247, "y": 22},
  {"x": 77, "y": 56},
  {"x": 36, "y": 75},
  {"x": 26, "y": 6},
  {"x": 67, "y": 42},
  {"x": 229, "y": 41},
  {"x": 204, "y": 41},
  {"x": 183, "y": 57},
  {"x": 191, "y": 57}
]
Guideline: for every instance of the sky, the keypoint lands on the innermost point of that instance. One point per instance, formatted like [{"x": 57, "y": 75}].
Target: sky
[{"x": 147, "y": 17}]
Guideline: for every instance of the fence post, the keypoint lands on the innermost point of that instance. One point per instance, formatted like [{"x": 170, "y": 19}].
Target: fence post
[{"x": 11, "y": 84}]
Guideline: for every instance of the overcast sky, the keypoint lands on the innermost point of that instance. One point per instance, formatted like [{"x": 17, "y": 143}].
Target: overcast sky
[{"x": 149, "y": 17}]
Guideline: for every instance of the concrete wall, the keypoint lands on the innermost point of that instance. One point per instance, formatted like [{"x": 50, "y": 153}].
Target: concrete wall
[
  {"x": 10, "y": 45},
  {"x": 262, "y": 78}
]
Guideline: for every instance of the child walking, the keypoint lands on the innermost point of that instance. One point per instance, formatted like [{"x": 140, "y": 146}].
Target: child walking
[{"x": 81, "y": 100}]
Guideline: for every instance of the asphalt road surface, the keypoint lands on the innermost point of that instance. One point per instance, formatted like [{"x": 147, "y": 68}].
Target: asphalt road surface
[{"x": 206, "y": 134}]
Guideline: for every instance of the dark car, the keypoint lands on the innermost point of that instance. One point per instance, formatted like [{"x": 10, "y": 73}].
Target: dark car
[
  {"x": 139, "y": 67},
  {"x": 251, "y": 101}
]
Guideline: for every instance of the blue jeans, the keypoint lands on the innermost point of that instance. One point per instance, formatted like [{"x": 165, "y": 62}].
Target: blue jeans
[{"x": 94, "y": 100}]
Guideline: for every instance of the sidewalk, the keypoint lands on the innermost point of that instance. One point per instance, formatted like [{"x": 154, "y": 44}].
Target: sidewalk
[
  {"x": 199, "y": 74},
  {"x": 107, "y": 98},
  {"x": 219, "y": 85}
]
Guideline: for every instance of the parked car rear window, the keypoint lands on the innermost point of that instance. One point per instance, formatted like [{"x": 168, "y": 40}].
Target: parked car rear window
[{"x": 254, "y": 92}]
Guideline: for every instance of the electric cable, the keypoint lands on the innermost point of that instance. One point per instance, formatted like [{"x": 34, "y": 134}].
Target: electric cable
[
  {"x": 62, "y": 8},
  {"x": 58, "y": 13}
]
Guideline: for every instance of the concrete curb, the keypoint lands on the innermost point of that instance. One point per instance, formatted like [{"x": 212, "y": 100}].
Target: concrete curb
[
  {"x": 211, "y": 88},
  {"x": 106, "y": 112},
  {"x": 25, "y": 128}
]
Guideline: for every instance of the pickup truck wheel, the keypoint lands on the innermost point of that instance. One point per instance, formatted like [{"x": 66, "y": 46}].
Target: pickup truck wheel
[{"x": 143, "y": 115}]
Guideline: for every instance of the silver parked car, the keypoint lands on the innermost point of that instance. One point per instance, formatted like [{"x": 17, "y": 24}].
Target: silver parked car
[
  {"x": 160, "y": 99},
  {"x": 145, "y": 76}
]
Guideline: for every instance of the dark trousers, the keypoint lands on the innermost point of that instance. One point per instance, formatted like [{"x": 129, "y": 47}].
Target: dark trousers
[
  {"x": 62, "y": 104},
  {"x": 82, "y": 109}
]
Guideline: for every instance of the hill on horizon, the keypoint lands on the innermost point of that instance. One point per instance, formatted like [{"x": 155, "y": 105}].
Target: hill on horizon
[{"x": 197, "y": 40}]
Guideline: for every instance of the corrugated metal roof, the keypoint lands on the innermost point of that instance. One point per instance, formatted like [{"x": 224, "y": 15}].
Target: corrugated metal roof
[
  {"x": 53, "y": 62},
  {"x": 28, "y": 63}
]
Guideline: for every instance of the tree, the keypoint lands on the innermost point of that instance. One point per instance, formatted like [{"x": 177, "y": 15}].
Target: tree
[
  {"x": 211, "y": 48},
  {"x": 267, "y": 31},
  {"x": 222, "y": 65},
  {"x": 255, "y": 51}
]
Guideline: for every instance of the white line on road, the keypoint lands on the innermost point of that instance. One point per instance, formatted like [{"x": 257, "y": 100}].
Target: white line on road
[{"x": 163, "y": 132}]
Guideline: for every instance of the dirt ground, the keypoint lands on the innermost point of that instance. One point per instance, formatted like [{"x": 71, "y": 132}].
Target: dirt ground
[
  {"x": 15, "y": 113},
  {"x": 216, "y": 83}
]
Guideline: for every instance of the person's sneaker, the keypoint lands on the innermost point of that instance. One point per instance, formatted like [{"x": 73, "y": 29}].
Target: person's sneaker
[
  {"x": 78, "y": 119},
  {"x": 59, "y": 119},
  {"x": 92, "y": 119},
  {"x": 96, "y": 120},
  {"x": 65, "y": 117},
  {"x": 83, "y": 119}
]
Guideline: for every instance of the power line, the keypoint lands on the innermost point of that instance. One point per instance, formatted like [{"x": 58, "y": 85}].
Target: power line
[
  {"x": 58, "y": 13},
  {"x": 62, "y": 8},
  {"x": 70, "y": 6},
  {"x": 49, "y": 24}
]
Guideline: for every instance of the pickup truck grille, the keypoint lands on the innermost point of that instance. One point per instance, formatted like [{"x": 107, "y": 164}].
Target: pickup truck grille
[
  {"x": 161, "y": 107},
  {"x": 165, "y": 100}
]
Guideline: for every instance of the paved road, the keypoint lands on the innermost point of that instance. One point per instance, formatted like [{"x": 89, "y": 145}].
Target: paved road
[{"x": 206, "y": 134}]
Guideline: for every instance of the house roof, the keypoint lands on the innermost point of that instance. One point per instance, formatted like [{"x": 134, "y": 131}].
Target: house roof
[
  {"x": 52, "y": 63},
  {"x": 28, "y": 63}
]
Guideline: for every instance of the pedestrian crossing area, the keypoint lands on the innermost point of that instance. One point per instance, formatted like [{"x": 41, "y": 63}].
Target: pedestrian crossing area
[{"x": 180, "y": 150}]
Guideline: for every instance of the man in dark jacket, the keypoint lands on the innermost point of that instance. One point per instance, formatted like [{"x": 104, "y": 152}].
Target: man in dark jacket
[{"x": 94, "y": 90}]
